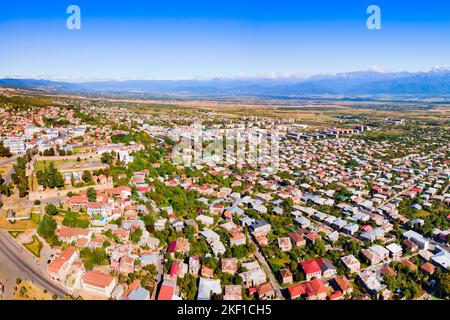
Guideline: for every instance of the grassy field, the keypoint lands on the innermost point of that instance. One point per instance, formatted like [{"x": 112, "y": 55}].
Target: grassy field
[
  {"x": 278, "y": 263},
  {"x": 34, "y": 247},
  {"x": 422, "y": 214},
  {"x": 18, "y": 225},
  {"x": 42, "y": 164}
]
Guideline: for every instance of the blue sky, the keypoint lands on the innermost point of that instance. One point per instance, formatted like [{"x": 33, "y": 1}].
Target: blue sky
[{"x": 178, "y": 39}]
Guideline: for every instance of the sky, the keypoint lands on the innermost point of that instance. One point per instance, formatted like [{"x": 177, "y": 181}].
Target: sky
[{"x": 183, "y": 39}]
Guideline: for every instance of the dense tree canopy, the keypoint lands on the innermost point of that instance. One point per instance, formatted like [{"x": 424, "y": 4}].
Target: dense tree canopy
[{"x": 50, "y": 177}]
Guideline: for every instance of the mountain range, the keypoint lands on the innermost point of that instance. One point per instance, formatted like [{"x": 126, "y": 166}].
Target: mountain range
[{"x": 435, "y": 82}]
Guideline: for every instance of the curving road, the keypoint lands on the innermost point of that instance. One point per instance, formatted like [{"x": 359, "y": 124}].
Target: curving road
[
  {"x": 7, "y": 176},
  {"x": 9, "y": 160},
  {"x": 13, "y": 253}
]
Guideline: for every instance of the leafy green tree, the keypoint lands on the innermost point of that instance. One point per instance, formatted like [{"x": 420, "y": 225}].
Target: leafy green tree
[
  {"x": 92, "y": 194},
  {"x": 50, "y": 177},
  {"x": 47, "y": 227},
  {"x": 51, "y": 209},
  {"x": 19, "y": 177},
  {"x": 86, "y": 176},
  {"x": 319, "y": 248},
  {"x": 189, "y": 232},
  {"x": 136, "y": 235},
  {"x": 49, "y": 152},
  {"x": 352, "y": 247},
  {"x": 5, "y": 190},
  {"x": 4, "y": 151},
  {"x": 443, "y": 284},
  {"x": 239, "y": 252},
  {"x": 188, "y": 286},
  {"x": 107, "y": 157},
  {"x": 94, "y": 257}
]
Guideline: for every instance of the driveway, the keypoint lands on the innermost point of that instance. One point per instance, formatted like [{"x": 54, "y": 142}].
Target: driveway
[{"x": 273, "y": 281}]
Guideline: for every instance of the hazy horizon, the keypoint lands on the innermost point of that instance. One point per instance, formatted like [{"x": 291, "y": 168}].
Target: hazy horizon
[{"x": 149, "y": 40}]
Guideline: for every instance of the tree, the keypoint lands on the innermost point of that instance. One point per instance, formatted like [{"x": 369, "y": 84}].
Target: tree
[
  {"x": 136, "y": 235},
  {"x": 189, "y": 232},
  {"x": 5, "y": 190},
  {"x": 4, "y": 151},
  {"x": 94, "y": 257},
  {"x": 87, "y": 176},
  {"x": 293, "y": 266},
  {"x": 352, "y": 247},
  {"x": 107, "y": 157},
  {"x": 240, "y": 251},
  {"x": 72, "y": 180},
  {"x": 51, "y": 209},
  {"x": 92, "y": 194},
  {"x": 49, "y": 152},
  {"x": 47, "y": 227},
  {"x": 188, "y": 285},
  {"x": 319, "y": 248},
  {"x": 50, "y": 177},
  {"x": 19, "y": 177},
  {"x": 443, "y": 284}
]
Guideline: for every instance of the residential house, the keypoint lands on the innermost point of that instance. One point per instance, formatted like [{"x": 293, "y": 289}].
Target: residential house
[
  {"x": 194, "y": 265},
  {"x": 98, "y": 283},
  {"x": 286, "y": 276},
  {"x": 344, "y": 285},
  {"x": 229, "y": 265},
  {"x": 207, "y": 287},
  {"x": 59, "y": 267},
  {"x": 395, "y": 250},
  {"x": 233, "y": 292},
  {"x": 351, "y": 263},
  {"x": 318, "y": 268},
  {"x": 284, "y": 243},
  {"x": 265, "y": 291},
  {"x": 297, "y": 239}
]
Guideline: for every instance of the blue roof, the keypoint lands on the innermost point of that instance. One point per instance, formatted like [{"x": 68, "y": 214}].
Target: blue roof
[{"x": 139, "y": 294}]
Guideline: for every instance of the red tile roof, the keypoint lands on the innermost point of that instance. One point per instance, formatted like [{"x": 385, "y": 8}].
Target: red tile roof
[
  {"x": 174, "y": 268},
  {"x": 335, "y": 295},
  {"x": 97, "y": 279},
  {"x": 60, "y": 260},
  {"x": 166, "y": 291},
  {"x": 311, "y": 266}
]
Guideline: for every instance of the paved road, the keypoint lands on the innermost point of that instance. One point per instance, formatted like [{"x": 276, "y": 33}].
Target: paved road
[
  {"x": 9, "y": 160},
  {"x": 7, "y": 176},
  {"x": 12, "y": 252}
]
